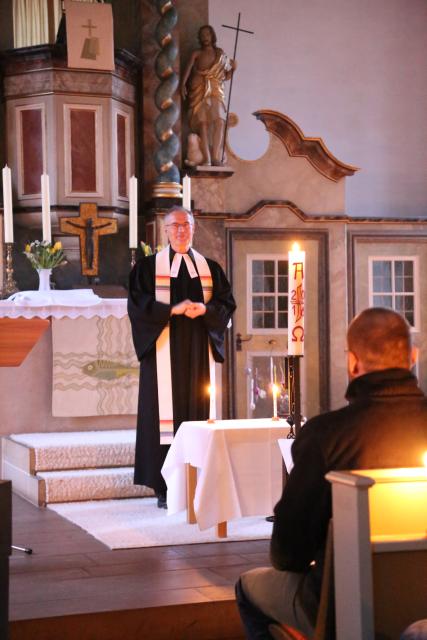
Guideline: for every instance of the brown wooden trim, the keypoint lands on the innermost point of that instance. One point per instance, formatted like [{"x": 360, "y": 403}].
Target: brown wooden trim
[
  {"x": 298, "y": 145},
  {"x": 322, "y": 237}
]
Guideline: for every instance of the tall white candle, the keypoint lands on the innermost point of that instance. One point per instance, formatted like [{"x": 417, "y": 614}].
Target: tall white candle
[
  {"x": 46, "y": 223},
  {"x": 7, "y": 204},
  {"x": 296, "y": 301},
  {"x": 275, "y": 394},
  {"x": 133, "y": 212},
  {"x": 186, "y": 193},
  {"x": 212, "y": 403}
]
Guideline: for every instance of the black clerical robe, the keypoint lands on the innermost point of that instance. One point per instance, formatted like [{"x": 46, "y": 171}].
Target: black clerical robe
[{"x": 189, "y": 341}]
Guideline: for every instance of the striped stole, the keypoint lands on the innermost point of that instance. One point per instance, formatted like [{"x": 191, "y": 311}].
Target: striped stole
[{"x": 164, "y": 376}]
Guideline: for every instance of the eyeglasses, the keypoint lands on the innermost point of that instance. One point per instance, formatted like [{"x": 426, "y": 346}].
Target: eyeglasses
[{"x": 175, "y": 226}]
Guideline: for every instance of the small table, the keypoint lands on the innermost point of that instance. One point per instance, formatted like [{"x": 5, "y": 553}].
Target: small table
[{"x": 224, "y": 470}]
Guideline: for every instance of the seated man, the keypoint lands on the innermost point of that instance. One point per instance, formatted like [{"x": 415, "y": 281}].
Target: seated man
[{"x": 384, "y": 425}]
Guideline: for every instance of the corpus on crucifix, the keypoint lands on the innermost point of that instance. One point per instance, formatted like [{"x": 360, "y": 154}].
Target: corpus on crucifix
[{"x": 88, "y": 226}]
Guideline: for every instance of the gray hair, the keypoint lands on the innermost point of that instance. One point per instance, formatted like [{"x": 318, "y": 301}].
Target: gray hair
[{"x": 175, "y": 209}]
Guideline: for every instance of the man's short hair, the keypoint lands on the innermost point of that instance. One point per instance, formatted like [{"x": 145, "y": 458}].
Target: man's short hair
[
  {"x": 381, "y": 339},
  {"x": 177, "y": 209}
]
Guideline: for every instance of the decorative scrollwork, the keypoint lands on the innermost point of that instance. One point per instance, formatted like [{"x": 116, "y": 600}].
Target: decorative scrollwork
[{"x": 169, "y": 111}]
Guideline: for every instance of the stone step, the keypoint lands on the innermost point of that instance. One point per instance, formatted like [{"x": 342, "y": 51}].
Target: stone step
[
  {"x": 74, "y": 485},
  {"x": 34, "y": 452}
]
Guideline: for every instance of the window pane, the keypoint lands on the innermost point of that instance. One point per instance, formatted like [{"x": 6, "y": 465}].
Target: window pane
[
  {"x": 408, "y": 268},
  {"x": 282, "y": 302},
  {"x": 269, "y": 284},
  {"x": 269, "y": 267},
  {"x": 269, "y": 321},
  {"x": 383, "y": 301},
  {"x": 257, "y": 321},
  {"x": 381, "y": 270},
  {"x": 283, "y": 320},
  {"x": 269, "y": 303},
  {"x": 257, "y": 267},
  {"x": 282, "y": 266},
  {"x": 282, "y": 284},
  {"x": 410, "y": 318},
  {"x": 258, "y": 284},
  {"x": 257, "y": 303}
]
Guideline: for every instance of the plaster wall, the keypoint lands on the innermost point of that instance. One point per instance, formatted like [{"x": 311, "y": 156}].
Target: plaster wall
[{"x": 350, "y": 72}]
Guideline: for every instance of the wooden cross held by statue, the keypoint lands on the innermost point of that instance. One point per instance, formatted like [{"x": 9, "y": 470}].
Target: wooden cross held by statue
[
  {"x": 237, "y": 30},
  {"x": 88, "y": 227}
]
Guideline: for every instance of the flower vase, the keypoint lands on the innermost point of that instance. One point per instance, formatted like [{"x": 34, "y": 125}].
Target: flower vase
[{"x": 44, "y": 279}]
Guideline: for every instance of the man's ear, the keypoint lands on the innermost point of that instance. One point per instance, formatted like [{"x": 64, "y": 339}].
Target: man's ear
[{"x": 353, "y": 365}]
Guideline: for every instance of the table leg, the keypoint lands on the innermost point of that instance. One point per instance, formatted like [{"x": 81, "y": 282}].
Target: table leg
[
  {"x": 191, "y": 478},
  {"x": 221, "y": 529}
]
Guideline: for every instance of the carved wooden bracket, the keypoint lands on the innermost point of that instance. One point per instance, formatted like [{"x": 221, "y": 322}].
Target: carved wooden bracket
[{"x": 297, "y": 144}]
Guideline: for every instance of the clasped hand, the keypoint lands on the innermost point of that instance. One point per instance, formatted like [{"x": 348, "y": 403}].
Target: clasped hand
[{"x": 188, "y": 308}]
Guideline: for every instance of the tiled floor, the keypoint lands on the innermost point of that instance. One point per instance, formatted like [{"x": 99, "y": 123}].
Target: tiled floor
[{"x": 71, "y": 573}]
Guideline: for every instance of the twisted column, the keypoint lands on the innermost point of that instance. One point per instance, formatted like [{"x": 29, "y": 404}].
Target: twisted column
[{"x": 168, "y": 181}]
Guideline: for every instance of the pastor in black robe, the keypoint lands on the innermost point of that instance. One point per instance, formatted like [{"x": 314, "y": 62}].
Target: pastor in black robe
[{"x": 189, "y": 341}]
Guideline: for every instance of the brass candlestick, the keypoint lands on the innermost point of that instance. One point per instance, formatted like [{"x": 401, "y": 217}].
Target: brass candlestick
[
  {"x": 10, "y": 284},
  {"x": 132, "y": 257}
]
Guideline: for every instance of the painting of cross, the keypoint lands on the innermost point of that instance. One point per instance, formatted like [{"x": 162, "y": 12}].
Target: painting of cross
[{"x": 88, "y": 226}]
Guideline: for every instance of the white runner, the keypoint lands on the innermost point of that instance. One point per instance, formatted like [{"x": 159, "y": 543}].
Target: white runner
[{"x": 130, "y": 523}]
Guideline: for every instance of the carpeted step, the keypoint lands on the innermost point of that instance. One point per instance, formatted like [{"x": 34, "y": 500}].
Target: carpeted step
[
  {"x": 34, "y": 452},
  {"x": 91, "y": 484},
  {"x": 74, "y": 485},
  {"x": 73, "y": 466}
]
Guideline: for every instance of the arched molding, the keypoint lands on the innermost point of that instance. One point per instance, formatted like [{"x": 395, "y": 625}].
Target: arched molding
[{"x": 298, "y": 145}]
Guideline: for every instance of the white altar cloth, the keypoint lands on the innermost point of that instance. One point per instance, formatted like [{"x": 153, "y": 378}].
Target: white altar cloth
[
  {"x": 239, "y": 468},
  {"x": 71, "y": 303}
]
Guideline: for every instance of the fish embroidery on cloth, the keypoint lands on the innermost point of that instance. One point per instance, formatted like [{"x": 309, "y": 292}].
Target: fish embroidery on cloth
[{"x": 108, "y": 370}]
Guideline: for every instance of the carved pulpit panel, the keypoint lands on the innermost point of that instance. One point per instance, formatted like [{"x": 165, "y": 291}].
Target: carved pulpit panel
[{"x": 88, "y": 226}]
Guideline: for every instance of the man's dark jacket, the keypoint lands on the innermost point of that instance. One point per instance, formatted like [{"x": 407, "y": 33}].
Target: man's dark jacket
[{"x": 383, "y": 426}]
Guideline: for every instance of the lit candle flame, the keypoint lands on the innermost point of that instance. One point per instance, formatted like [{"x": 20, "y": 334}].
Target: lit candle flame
[
  {"x": 295, "y": 246},
  {"x": 211, "y": 390},
  {"x": 275, "y": 390},
  {"x": 425, "y": 458}
]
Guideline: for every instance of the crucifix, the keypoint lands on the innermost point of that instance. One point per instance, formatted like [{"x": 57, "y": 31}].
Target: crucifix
[
  {"x": 237, "y": 30},
  {"x": 88, "y": 226}
]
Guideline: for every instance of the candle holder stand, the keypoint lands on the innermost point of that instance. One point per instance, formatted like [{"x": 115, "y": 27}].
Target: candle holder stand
[
  {"x": 294, "y": 392},
  {"x": 210, "y": 420},
  {"x": 9, "y": 286},
  {"x": 132, "y": 257}
]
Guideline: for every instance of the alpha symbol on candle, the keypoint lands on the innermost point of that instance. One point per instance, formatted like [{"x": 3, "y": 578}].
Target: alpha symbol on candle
[{"x": 298, "y": 269}]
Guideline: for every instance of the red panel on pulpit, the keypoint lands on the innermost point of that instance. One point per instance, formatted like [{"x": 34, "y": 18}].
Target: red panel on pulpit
[
  {"x": 32, "y": 150},
  {"x": 83, "y": 150}
]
